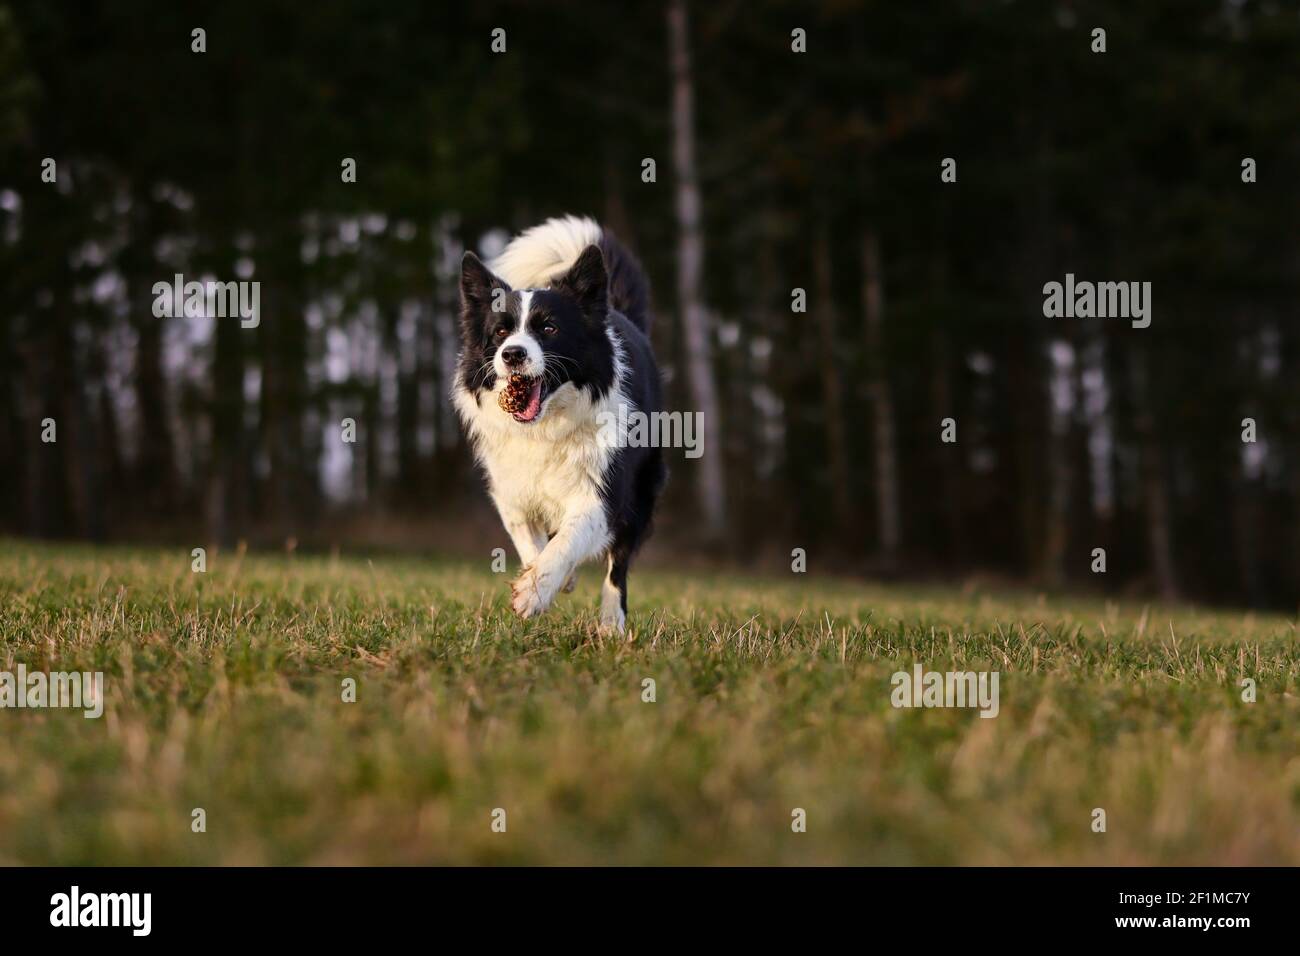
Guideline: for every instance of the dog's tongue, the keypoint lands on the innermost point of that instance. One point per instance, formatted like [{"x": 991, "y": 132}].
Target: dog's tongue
[{"x": 529, "y": 411}]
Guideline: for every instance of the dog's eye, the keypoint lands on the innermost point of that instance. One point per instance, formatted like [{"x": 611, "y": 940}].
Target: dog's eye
[
  {"x": 502, "y": 331},
  {"x": 549, "y": 329}
]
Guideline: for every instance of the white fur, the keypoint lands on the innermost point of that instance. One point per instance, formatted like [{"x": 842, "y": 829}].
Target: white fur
[
  {"x": 545, "y": 478},
  {"x": 537, "y": 255},
  {"x": 611, "y": 604},
  {"x": 532, "y": 366},
  {"x": 521, "y": 336}
]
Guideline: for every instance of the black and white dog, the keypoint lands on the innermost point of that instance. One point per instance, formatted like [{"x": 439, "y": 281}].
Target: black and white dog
[{"x": 563, "y": 319}]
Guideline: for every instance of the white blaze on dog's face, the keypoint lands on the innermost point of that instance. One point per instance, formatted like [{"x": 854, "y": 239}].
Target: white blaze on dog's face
[
  {"x": 519, "y": 363},
  {"x": 519, "y": 353}
]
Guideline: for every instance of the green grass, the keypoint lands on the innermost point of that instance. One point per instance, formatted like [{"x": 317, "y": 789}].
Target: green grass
[{"x": 224, "y": 692}]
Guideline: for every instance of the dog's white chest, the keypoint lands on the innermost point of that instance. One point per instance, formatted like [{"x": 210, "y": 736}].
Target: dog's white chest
[
  {"x": 547, "y": 470},
  {"x": 543, "y": 480}
]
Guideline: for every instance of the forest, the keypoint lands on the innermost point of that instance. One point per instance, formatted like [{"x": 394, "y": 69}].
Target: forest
[{"x": 851, "y": 212}]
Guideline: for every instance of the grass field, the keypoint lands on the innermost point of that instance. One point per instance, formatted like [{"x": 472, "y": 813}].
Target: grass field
[{"x": 224, "y": 692}]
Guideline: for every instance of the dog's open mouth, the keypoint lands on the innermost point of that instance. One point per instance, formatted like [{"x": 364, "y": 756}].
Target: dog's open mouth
[{"x": 522, "y": 397}]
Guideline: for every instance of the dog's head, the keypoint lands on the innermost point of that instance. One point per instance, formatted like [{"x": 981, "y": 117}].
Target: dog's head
[{"x": 534, "y": 343}]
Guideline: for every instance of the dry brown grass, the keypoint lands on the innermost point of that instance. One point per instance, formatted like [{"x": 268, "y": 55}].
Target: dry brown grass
[{"x": 224, "y": 693}]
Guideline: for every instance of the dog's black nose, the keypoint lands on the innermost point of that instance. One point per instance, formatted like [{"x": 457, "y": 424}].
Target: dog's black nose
[{"x": 514, "y": 355}]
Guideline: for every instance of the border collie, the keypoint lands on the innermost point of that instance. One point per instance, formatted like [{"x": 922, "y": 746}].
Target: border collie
[{"x": 560, "y": 324}]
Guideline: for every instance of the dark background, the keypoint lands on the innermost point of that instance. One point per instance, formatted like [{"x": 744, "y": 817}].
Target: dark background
[{"x": 817, "y": 170}]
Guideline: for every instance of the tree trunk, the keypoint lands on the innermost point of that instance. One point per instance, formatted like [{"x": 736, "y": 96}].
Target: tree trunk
[
  {"x": 1245, "y": 523},
  {"x": 225, "y": 493},
  {"x": 832, "y": 389},
  {"x": 285, "y": 389},
  {"x": 155, "y": 469},
  {"x": 949, "y": 460},
  {"x": 408, "y": 423},
  {"x": 109, "y": 444},
  {"x": 888, "y": 525},
  {"x": 12, "y": 479},
  {"x": 1155, "y": 490},
  {"x": 710, "y": 488},
  {"x": 154, "y": 473},
  {"x": 1060, "y": 415}
]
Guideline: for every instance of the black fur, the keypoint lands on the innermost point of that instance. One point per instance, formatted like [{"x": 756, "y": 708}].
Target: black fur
[
  {"x": 604, "y": 289},
  {"x": 636, "y": 476},
  {"x": 628, "y": 290}
]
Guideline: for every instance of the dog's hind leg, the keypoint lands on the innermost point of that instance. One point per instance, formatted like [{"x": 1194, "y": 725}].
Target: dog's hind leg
[
  {"x": 613, "y": 593},
  {"x": 628, "y": 536}
]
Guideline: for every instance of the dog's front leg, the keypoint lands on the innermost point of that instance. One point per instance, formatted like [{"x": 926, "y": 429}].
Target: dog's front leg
[
  {"x": 583, "y": 534},
  {"x": 527, "y": 539}
]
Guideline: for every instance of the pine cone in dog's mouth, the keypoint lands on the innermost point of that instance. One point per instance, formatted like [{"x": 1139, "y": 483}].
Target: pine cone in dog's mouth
[{"x": 522, "y": 397}]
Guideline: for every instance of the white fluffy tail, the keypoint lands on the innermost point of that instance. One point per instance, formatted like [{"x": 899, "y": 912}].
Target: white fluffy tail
[{"x": 538, "y": 255}]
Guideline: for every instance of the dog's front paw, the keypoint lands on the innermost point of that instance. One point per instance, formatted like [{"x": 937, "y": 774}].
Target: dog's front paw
[{"x": 528, "y": 597}]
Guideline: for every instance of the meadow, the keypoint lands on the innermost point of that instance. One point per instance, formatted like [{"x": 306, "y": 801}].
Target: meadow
[{"x": 225, "y": 692}]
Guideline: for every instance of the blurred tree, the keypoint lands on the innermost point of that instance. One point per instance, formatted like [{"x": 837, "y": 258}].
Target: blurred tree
[{"x": 804, "y": 142}]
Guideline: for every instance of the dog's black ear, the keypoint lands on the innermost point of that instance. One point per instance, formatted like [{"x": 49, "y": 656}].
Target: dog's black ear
[
  {"x": 587, "y": 283},
  {"x": 480, "y": 291}
]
